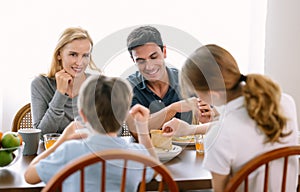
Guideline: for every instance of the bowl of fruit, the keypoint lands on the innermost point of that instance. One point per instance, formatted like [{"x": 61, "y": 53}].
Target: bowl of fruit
[{"x": 10, "y": 148}]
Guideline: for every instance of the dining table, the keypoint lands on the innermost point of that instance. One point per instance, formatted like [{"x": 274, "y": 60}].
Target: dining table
[
  {"x": 186, "y": 169},
  {"x": 12, "y": 177}
]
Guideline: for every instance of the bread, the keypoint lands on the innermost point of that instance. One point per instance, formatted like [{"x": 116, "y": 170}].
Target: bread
[
  {"x": 160, "y": 141},
  {"x": 189, "y": 138}
]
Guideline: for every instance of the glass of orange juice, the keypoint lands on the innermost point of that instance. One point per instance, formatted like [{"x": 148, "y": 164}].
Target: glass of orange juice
[
  {"x": 199, "y": 144},
  {"x": 50, "y": 138}
]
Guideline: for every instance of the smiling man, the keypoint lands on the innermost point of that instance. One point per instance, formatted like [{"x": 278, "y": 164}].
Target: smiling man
[{"x": 155, "y": 85}]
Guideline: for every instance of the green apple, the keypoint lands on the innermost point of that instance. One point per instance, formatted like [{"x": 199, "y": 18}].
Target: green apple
[
  {"x": 10, "y": 139},
  {"x": 5, "y": 158}
]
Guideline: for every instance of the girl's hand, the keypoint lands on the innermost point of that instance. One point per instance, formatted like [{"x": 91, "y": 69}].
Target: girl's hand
[{"x": 175, "y": 127}]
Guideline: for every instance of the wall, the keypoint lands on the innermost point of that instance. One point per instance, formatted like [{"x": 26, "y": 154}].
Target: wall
[
  {"x": 30, "y": 29},
  {"x": 282, "y": 47}
]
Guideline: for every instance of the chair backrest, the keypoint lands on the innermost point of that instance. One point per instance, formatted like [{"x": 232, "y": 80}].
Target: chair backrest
[
  {"x": 263, "y": 159},
  {"x": 167, "y": 181},
  {"x": 22, "y": 119}
]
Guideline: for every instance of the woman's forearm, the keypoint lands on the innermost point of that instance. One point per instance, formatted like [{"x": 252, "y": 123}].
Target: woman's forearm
[{"x": 48, "y": 117}]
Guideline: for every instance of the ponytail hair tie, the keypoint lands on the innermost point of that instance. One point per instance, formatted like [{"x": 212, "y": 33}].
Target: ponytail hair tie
[{"x": 243, "y": 78}]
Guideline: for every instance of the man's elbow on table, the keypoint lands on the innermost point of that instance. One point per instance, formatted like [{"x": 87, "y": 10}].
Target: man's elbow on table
[{"x": 31, "y": 175}]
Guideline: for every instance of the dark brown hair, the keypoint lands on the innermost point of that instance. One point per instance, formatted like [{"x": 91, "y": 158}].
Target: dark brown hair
[{"x": 141, "y": 36}]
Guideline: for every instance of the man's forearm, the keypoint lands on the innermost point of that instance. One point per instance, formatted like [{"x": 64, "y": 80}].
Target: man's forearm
[{"x": 159, "y": 118}]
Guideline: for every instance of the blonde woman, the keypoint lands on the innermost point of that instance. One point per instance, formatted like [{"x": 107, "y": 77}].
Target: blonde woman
[
  {"x": 256, "y": 118},
  {"x": 54, "y": 95}
]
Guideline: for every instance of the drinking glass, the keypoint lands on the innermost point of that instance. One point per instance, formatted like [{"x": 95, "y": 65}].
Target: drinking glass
[
  {"x": 199, "y": 144},
  {"x": 50, "y": 139}
]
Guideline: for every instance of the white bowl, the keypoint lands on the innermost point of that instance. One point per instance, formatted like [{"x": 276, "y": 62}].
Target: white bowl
[
  {"x": 166, "y": 155},
  {"x": 16, "y": 152}
]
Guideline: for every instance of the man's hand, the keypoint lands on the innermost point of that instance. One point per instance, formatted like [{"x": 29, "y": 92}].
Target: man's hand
[
  {"x": 206, "y": 112},
  {"x": 184, "y": 105}
]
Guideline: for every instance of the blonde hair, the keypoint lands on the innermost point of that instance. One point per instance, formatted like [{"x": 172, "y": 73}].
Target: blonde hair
[
  {"x": 105, "y": 101},
  {"x": 211, "y": 67},
  {"x": 262, "y": 100},
  {"x": 69, "y": 35}
]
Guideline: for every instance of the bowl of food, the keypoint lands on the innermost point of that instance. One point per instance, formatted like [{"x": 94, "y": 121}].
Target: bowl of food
[{"x": 10, "y": 148}]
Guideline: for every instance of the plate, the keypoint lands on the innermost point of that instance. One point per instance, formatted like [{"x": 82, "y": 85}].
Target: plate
[
  {"x": 185, "y": 140},
  {"x": 165, "y": 155}
]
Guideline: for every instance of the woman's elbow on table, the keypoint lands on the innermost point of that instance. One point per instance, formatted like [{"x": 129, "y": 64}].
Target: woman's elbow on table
[{"x": 31, "y": 175}]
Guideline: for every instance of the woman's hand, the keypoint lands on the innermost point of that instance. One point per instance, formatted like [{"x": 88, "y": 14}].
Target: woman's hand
[
  {"x": 176, "y": 127},
  {"x": 63, "y": 80}
]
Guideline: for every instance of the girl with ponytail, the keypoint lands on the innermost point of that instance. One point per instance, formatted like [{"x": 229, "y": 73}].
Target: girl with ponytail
[{"x": 256, "y": 117}]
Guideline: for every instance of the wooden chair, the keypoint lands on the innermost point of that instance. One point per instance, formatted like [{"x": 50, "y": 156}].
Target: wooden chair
[
  {"x": 22, "y": 119},
  {"x": 55, "y": 183},
  {"x": 263, "y": 159}
]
